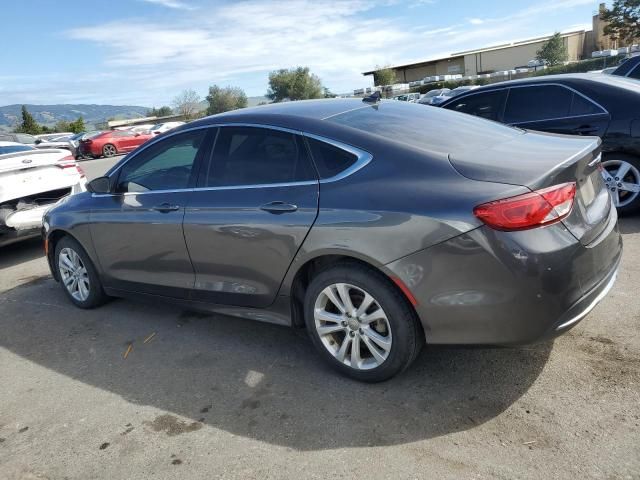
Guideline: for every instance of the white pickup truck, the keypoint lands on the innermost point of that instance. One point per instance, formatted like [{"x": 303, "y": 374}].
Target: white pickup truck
[{"x": 31, "y": 180}]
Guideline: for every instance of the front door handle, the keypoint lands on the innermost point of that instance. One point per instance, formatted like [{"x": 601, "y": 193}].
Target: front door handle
[
  {"x": 166, "y": 208},
  {"x": 278, "y": 207}
]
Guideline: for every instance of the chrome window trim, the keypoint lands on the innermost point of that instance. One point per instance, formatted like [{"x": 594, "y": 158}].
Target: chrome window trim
[
  {"x": 363, "y": 158},
  {"x": 543, "y": 84},
  {"x": 637, "y": 67}
]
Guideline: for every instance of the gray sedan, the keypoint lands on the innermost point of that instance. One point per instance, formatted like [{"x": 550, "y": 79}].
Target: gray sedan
[{"x": 376, "y": 226}]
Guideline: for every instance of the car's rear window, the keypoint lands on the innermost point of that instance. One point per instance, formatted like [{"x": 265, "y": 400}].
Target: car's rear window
[
  {"x": 15, "y": 148},
  {"x": 424, "y": 126}
]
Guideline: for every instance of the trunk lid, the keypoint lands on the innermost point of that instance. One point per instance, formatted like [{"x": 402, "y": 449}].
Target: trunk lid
[{"x": 539, "y": 160}]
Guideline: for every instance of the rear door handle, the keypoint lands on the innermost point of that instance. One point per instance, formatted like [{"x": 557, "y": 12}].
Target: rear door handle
[
  {"x": 166, "y": 208},
  {"x": 586, "y": 129},
  {"x": 278, "y": 207}
]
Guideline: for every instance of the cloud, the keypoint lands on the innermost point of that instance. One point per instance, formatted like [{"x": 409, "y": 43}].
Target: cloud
[
  {"x": 177, "y": 4},
  {"x": 240, "y": 42}
]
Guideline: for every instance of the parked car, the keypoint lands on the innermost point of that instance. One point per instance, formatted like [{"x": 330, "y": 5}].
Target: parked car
[
  {"x": 438, "y": 99},
  {"x": 54, "y": 142},
  {"x": 629, "y": 68},
  {"x": 111, "y": 143},
  {"x": 31, "y": 180},
  {"x": 428, "y": 97},
  {"x": 45, "y": 137},
  {"x": 607, "y": 106},
  {"x": 301, "y": 213},
  {"x": 159, "y": 128},
  {"x": 24, "y": 138},
  {"x": 74, "y": 142}
]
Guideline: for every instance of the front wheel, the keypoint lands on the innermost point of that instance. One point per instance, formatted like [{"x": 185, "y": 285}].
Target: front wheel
[
  {"x": 360, "y": 323},
  {"x": 77, "y": 274},
  {"x": 622, "y": 176}
]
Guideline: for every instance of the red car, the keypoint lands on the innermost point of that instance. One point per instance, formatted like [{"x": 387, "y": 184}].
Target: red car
[{"x": 112, "y": 143}]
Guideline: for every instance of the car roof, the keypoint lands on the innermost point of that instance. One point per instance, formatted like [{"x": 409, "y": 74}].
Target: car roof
[
  {"x": 568, "y": 78},
  {"x": 10, "y": 144}
]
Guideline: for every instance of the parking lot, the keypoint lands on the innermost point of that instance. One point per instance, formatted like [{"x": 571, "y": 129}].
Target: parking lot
[{"x": 209, "y": 396}]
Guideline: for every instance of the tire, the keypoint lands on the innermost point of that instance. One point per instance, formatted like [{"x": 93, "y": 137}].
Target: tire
[
  {"x": 626, "y": 201},
  {"x": 397, "y": 326},
  {"x": 93, "y": 295},
  {"x": 109, "y": 150}
]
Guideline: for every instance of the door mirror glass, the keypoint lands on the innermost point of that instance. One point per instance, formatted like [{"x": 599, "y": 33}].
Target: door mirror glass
[{"x": 99, "y": 185}]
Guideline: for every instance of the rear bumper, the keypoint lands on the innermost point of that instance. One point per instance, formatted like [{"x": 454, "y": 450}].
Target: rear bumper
[{"x": 499, "y": 288}]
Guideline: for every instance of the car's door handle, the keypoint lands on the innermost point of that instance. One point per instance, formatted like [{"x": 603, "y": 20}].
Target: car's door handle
[
  {"x": 278, "y": 207},
  {"x": 586, "y": 129},
  {"x": 166, "y": 208}
]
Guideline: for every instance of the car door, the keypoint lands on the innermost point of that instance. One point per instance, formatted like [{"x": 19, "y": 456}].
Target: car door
[
  {"x": 256, "y": 200},
  {"x": 137, "y": 229},
  {"x": 555, "y": 108},
  {"x": 123, "y": 140}
]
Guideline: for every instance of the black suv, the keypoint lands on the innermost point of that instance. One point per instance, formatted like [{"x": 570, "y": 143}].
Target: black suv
[{"x": 577, "y": 104}]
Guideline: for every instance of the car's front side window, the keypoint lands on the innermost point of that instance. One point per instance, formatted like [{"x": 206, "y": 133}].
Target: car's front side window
[
  {"x": 246, "y": 156},
  {"x": 535, "y": 103},
  {"x": 165, "y": 165}
]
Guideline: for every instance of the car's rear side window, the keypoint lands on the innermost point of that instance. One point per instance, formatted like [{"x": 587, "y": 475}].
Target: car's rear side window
[
  {"x": 330, "y": 160},
  {"x": 583, "y": 106},
  {"x": 245, "y": 156}
]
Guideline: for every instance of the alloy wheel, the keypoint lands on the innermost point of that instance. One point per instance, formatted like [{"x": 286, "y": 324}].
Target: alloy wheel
[
  {"x": 109, "y": 150},
  {"x": 352, "y": 326},
  {"x": 73, "y": 274},
  {"x": 622, "y": 180}
]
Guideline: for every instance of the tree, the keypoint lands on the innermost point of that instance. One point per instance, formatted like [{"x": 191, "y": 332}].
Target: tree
[
  {"x": 623, "y": 20},
  {"x": 554, "y": 51},
  {"x": 62, "y": 126},
  {"x": 187, "y": 103},
  {"x": 28, "y": 124},
  {"x": 160, "y": 112},
  {"x": 384, "y": 76},
  {"x": 328, "y": 93},
  {"x": 294, "y": 84},
  {"x": 77, "y": 126},
  {"x": 225, "y": 99}
]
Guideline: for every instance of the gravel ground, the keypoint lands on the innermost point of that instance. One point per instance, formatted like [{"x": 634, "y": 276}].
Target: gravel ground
[{"x": 216, "y": 397}]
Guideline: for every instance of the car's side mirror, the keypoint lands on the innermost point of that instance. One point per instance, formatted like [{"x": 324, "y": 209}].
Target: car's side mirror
[
  {"x": 137, "y": 134},
  {"x": 99, "y": 185},
  {"x": 38, "y": 141}
]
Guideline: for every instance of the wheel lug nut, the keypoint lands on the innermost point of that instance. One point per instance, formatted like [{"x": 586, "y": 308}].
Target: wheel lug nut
[
  {"x": 344, "y": 323},
  {"x": 352, "y": 333},
  {"x": 609, "y": 179},
  {"x": 617, "y": 179}
]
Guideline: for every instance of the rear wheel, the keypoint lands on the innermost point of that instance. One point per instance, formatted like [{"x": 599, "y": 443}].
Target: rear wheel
[
  {"x": 360, "y": 323},
  {"x": 77, "y": 274},
  {"x": 109, "y": 150},
  {"x": 622, "y": 176}
]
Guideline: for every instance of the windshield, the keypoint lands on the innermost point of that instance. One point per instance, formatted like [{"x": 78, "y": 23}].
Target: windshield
[
  {"x": 157, "y": 126},
  {"x": 15, "y": 148}
]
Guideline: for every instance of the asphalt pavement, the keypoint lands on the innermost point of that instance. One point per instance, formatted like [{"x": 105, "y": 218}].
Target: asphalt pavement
[{"x": 209, "y": 396}]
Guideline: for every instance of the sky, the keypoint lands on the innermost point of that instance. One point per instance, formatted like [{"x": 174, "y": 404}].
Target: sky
[{"x": 145, "y": 52}]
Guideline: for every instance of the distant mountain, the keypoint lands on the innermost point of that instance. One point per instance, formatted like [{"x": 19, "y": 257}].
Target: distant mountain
[{"x": 50, "y": 114}]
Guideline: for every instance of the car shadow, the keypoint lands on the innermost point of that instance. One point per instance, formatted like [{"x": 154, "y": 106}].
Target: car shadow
[
  {"x": 629, "y": 224},
  {"x": 20, "y": 252},
  {"x": 258, "y": 380}
]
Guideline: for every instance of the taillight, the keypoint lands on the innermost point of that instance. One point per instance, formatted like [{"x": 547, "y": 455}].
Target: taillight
[
  {"x": 530, "y": 210},
  {"x": 70, "y": 162}
]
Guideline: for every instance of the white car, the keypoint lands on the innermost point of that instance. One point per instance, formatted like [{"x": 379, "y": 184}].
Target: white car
[
  {"x": 427, "y": 98},
  {"x": 31, "y": 180},
  {"x": 164, "y": 127}
]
